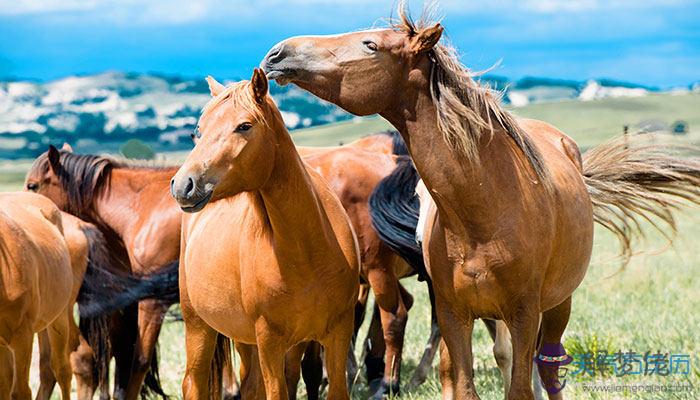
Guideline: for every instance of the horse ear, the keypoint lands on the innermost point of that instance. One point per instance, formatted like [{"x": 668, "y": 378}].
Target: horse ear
[
  {"x": 426, "y": 39},
  {"x": 214, "y": 87},
  {"x": 67, "y": 147},
  {"x": 259, "y": 84},
  {"x": 54, "y": 159}
]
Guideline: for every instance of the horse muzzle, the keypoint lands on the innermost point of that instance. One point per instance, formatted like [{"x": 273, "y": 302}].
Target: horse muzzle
[{"x": 188, "y": 195}]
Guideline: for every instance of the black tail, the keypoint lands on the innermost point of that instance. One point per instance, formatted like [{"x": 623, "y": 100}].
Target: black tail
[
  {"x": 95, "y": 329},
  {"x": 106, "y": 290},
  {"x": 221, "y": 359},
  {"x": 151, "y": 384},
  {"x": 394, "y": 209}
]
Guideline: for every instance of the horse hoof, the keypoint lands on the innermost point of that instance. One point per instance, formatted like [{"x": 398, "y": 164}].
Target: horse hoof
[{"x": 383, "y": 389}]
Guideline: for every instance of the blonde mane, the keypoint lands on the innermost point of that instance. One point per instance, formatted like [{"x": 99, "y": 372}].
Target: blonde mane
[
  {"x": 465, "y": 108},
  {"x": 241, "y": 95}
]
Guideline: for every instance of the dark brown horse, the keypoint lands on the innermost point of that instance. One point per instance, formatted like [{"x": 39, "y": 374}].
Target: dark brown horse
[
  {"x": 131, "y": 207},
  {"x": 512, "y": 233}
]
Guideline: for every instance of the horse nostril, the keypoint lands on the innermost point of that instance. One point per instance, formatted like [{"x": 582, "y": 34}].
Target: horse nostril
[
  {"x": 172, "y": 187},
  {"x": 275, "y": 54},
  {"x": 190, "y": 187}
]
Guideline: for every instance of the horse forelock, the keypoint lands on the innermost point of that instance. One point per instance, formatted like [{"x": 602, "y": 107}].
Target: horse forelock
[
  {"x": 466, "y": 109},
  {"x": 240, "y": 94}
]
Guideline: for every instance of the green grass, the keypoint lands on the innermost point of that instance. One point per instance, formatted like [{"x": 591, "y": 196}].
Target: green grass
[{"x": 652, "y": 305}]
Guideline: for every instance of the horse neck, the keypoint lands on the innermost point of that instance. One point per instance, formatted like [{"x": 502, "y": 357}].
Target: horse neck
[
  {"x": 471, "y": 192},
  {"x": 291, "y": 204}
]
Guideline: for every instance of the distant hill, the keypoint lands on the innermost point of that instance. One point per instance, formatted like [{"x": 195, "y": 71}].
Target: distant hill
[{"x": 97, "y": 113}]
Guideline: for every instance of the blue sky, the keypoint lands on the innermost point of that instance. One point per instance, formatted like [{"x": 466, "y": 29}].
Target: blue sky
[{"x": 651, "y": 42}]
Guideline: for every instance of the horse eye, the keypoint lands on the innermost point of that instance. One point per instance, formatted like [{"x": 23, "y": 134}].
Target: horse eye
[
  {"x": 370, "y": 45},
  {"x": 32, "y": 186},
  {"x": 244, "y": 127}
]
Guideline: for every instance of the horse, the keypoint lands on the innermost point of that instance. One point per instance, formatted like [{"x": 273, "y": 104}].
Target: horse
[
  {"x": 516, "y": 203},
  {"x": 272, "y": 260},
  {"x": 37, "y": 283},
  {"x": 130, "y": 207},
  {"x": 353, "y": 175}
]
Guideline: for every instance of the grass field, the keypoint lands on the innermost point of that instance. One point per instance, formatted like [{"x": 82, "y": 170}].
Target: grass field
[{"x": 651, "y": 306}]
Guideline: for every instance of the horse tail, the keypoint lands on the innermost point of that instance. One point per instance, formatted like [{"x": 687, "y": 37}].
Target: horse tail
[
  {"x": 106, "y": 290},
  {"x": 398, "y": 146},
  {"x": 394, "y": 209},
  {"x": 152, "y": 385},
  {"x": 96, "y": 329},
  {"x": 222, "y": 359},
  {"x": 632, "y": 180}
]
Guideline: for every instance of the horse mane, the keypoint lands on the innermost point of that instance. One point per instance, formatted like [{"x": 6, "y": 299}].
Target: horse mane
[
  {"x": 84, "y": 176},
  {"x": 240, "y": 94},
  {"x": 465, "y": 108}
]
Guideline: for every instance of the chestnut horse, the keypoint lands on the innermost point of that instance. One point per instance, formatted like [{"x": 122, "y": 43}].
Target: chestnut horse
[
  {"x": 272, "y": 260},
  {"x": 142, "y": 224},
  {"x": 36, "y": 282},
  {"x": 512, "y": 235},
  {"x": 352, "y": 172}
]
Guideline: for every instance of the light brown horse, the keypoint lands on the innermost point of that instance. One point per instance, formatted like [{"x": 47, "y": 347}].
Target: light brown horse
[
  {"x": 272, "y": 260},
  {"x": 513, "y": 231},
  {"x": 36, "y": 283}
]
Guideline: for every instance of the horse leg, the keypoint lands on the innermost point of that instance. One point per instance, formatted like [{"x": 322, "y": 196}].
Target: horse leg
[
  {"x": 47, "y": 380},
  {"x": 200, "y": 343},
  {"x": 503, "y": 353},
  {"x": 336, "y": 345},
  {"x": 124, "y": 327},
  {"x": 150, "y": 319},
  {"x": 60, "y": 341},
  {"x": 21, "y": 344},
  {"x": 272, "y": 349},
  {"x": 82, "y": 362},
  {"x": 374, "y": 348},
  {"x": 394, "y": 315},
  {"x": 426, "y": 362},
  {"x": 252, "y": 387},
  {"x": 360, "y": 311},
  {"x": 312, "y": 370},
  {"x": 7, "y": 373},
  {"x": 523, "y": 325},
  {"x": 292, "y": 368},
  {"x": 554, "y": 322},
  {"x": 457, "y": 337},
  {"x": 446, "y": 374}
]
